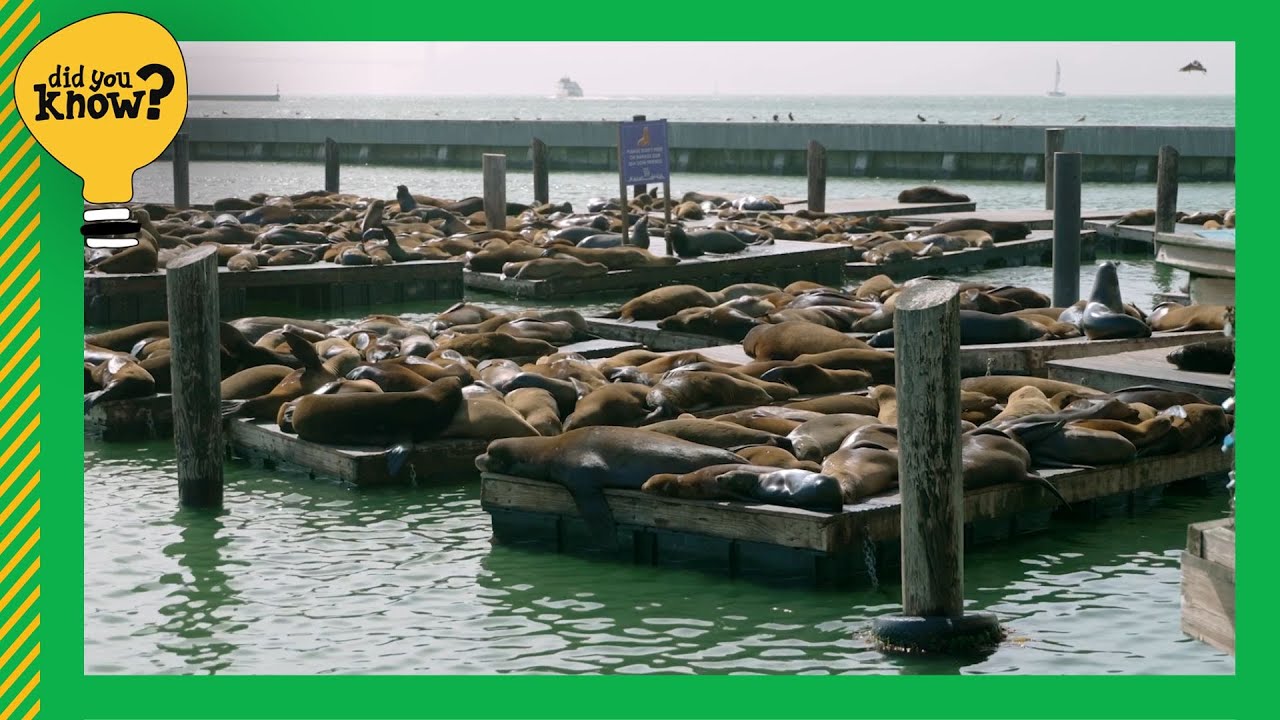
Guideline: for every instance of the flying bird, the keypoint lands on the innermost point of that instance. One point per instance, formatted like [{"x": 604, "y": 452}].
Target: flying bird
[
  {"x": 791, "y": 117},
  {"x": 997, "y": 117},
  {"x": 920, "y": 117},
  {"x": 942, "y": 122},
  {"x": 775, "y": 117},
  {"x": 1193, "y": 66},
  {"x": 1080, "y": 119}
]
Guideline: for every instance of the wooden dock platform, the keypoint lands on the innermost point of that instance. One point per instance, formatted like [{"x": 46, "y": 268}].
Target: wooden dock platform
[
  {"x": 1025, "y": 358},
  {"x": 646, "y": 333},
  {"x": 1209, "y": 584},
  {"x": 1037, "y": 249},
  {"x": 1034, "y": 219},
  {"x": 111, "y": 300},
  {"x": 151, "y": 418},
  {"x": 780, "y": 264},
  {"x": 1141, "y": 367},
  {"x": 1137, "y": 233},
  {"x": 884, "y": 207},
  {"x": 752, "y": 540}
]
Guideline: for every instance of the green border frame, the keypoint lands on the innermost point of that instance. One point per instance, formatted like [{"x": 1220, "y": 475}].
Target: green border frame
[{"x": 64, "y": 690}]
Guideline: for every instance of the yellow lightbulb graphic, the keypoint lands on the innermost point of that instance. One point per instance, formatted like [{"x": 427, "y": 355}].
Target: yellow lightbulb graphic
[{"x": 104, "y": 96}]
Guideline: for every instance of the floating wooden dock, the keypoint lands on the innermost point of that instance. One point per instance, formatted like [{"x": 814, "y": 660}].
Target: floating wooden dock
[
  {"x": 1141, "y": 367},
  {"x": 1034, "y": 219},
  {"x": 752, "y": 540},
  {"x": 1209, "y": 257},
  {"x": 111, "y": 300},
  {"x": 1025, "y": 358},
  {"x": 779, "y": 264},
  {"x": 646, "y": 333},
  {"x": 1036, "y": 249},
  {"x": 884, "y": 207},
  {"x": 151, "y": 418},
  {"x": 1209, "y": 584}
]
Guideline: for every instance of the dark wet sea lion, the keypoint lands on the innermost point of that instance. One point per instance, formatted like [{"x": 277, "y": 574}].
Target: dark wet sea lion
[
  {"x": 810, "y": 379},
  {"x": 979, "y": 328},
  {"x": 696, "y": 243},
  {"x": 998, "y": 230},
  {"x": 717, "y": 434},
  {"x": 1157, "y": 397},
  {"x": 930, "y": 194},
  {"x": 390, "y": 377},
  {"x": 254, "y": 381},
  {"x": 719, "y": 321},
  {"x": 588, "y": 460},
  {"x": 990, "y": 457},
  {"x": 1100, "y": 323},
  {"x": 253, "y": 328},
  {"x": 1078, "y": 445},
  {"x": 1213, "y": 356},
  {"x": 310, "y": 377}
]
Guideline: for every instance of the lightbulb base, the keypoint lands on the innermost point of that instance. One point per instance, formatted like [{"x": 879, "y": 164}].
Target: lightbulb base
[{"x": 104, "y": 227}]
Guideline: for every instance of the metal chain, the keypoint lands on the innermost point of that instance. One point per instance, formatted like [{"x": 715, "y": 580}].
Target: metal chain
[
  {"x": 151, "y": 424},
  {"x": 869, "y": 555},
  {"x": 413, "y": 475}
]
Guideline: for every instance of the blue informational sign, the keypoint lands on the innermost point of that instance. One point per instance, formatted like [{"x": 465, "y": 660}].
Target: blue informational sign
[{"x": 642, "y": 152}]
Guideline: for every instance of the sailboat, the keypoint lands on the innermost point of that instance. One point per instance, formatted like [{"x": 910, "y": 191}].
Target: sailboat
[{"x": 1057, "y": 81}]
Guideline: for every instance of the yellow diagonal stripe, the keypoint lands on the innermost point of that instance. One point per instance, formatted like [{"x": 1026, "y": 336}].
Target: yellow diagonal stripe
[
  {"x": 18, "y": 155},
  {"x": 17, "y": 557},
  {"x": 17, "y": 300},
  {"x": 22, "y": 467},
  {"x": 22, "y": 524},
  {"x": 8, "y": 424},
  {"x": 8, "y": 224},
  {"x": 20, "y": 697},
  {"x": 22, "y": 351},
  {"x": 9, "y": 451},
  {"x": 17, "y": 42},
  {"x": 13, "y": 619},
  {"x": 17, "y": 12},
  {"x": 22, "y": 638},
  {"x": 18, "y": 584},
  {"x": 22, "y": 179},
  {"x": 22, "y": 323},
  {"x": 35, "y": 710},
  {"x": 15, "y": 273},
  {"x": 22, "y": 667},
  {"x": 17, "y": 384}
]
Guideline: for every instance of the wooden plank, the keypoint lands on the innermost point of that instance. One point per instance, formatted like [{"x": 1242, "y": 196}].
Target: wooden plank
[
  {"x": 1208, "y": 602},
  {"x": 781, "y": 263},
  {"x": 595, "y": 349},
  {"x": 876, "y": 518},
  {"x": 884, "y": 207},
  {"x": 1143, "y": 367},
  {"x": 1219, "y": 546},
  {"x": 1033, "y": 218}
]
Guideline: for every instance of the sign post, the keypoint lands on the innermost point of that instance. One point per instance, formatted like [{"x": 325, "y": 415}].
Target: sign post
[{"x": 643, "y": 159}]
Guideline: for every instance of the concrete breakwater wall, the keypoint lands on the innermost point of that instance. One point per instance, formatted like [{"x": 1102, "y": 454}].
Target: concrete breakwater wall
[{"x": 941, "y": 152}]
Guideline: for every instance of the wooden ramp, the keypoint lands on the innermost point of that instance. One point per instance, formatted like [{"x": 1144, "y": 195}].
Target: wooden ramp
[
  {"x": 1033, "y": 218},
  {"x": 1209, "y": 584},
  {"x": 307, "y": 290},
  {"x": 1142, "y": 367},
  {"x": 779, "y": 264},
  {"x": 1025, "y": 358},
  {"x": 1142, "y": 234},
  {"x": 1036, "y": 249},
  {"x": 743, "y": 539},
  {"x": 884, "y": 207}
]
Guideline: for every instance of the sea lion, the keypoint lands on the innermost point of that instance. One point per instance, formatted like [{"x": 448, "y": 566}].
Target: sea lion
[
  {"x": 1213, "y": 356},
  {"x": 253, "y": 328},
  {"x": 811, "y": 379},
  {"x": 776, "y": 457},
  {"x": 818, "y": 438},
  {"x": 551, "y": 331},
  {"x": 999, "y": 231},
  {"x": 1172, "y": 317},
  {"x": 378, "y": 418},
  {"x": 1001, "y": 387},
  {"x": 492, "y": 260},
  {"x": 990, "y": 457},
  {"x": 546, "y": 268},
  {"x": 565, "y": 392},
  {"x": 1145, "y": 435},
  {"x": 1157, "y": 397},
  {"x": 1024, "y": 401},
  {"x": 1106, "y": 290},
  {"x": 978, "y": 328},
  {"x": 1101, "y": 323},
  {"x": 878, "y": 363},
  {"x": 538, "y": 408},
  {"x": 619, "y": 404},
  {"x": 886, "y": 397},
  {"x": 789, "y": 340},
  {"x": 738, "y": 290},
  {"x": 391, "y": 377},
  {"x": 700, "y": 390},
  {"x": 614, "y": 258},
  {"x": 120, "y": 378},
  {"x": 789, "y": 487},
  {"x": 588, "y": 460},
  {"x": 930, "y": 194},
  {"x": 1198, "y": 424},
  {"x": 880, "y": 435},
  {"x": 483, "y": 346},
  {"x": 487, "y": 417},
  {"x": 717, "y": 434},
  {"x": 664, "y": 302},
  {"x": 254, "y": 381},
  {"x": 838, "y": 404},
  {"x": 310, "y": 377},
  {"x": 1077, "y": 445},
  {"x": 125, "y": 338},
  {"x": 702, "y": 242},
  {"x": 863, "y": 470},
  {"x": 459, "y": 314},
  {"x": 719, "y": 321}
]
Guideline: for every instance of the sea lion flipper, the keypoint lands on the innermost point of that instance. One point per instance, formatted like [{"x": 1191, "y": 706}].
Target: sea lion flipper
[
  {"x": 397, "y": 455},
  {"x": 1044, "y": 482},
  {"x": 90, "y": 398},
  {"x": 230, "y": 408},
  {"x": 595, "y": 511}
]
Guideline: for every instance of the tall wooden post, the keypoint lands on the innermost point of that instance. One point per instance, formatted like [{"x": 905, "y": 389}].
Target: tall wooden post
[
  {"x": 191, "y": 282},
  {"x": 331, "y": 165},
  {"x": 495, "y": 190},
  {"x": 622, "y": 189},
  {"x": 926, "y": 331},
  {"x": 666, "y": 214},
  {"x": 817, "y": 169},
  {"x": 1054, "y": 139},
  {"x": 1066, "y": 229},
  {"x": 541, "y": 184},
  {"x": 638, "y": 189},
  {"x": 181, "y": 171},
  {"x": 1166, "y": 189}
]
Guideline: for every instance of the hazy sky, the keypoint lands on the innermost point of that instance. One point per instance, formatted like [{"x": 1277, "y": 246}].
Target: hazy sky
[{"x": 698, "y": 68}]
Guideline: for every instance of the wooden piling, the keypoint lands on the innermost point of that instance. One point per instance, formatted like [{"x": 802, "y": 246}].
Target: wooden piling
[
  {"x": 624, "y": 206},
  {"x": 495, "y": 190},
  {"x": 181, "y": 171},
  {"x": 1166, "y": 189},
  {"x": 192, "y": 289},
  {"x": 927, "y": 327},
  {"x": 330, "y": 165},
  {"x": 638, "y": 190},
  {"x": 817, "y": 169},
  {"x": 1066, "y": 229},
  {"x": 1054, "y": 139},
  {"x": 541, "y": 183}
]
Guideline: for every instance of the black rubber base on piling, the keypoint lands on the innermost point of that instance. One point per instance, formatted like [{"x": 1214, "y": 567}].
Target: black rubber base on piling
[{"x": 969, "y": 634}]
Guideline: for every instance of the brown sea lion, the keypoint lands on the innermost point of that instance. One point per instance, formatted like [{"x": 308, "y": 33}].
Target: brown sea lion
[
  {"x": 789, "y": 340},
  {"x": 125, "y": 338},
  {"x": 719, "y": 321},
  {"x": 120, "y": 378},
  {"x": 700, "y": 390},
  {"x": 378, "y": 418},
  {"x": 818, "y": 438},
  {"x": 1213, "y": 356},
  {"x": 1001, "y": 386},
  {"x": 717, "y": 434},
  {"x": 664, "y": 302},
  {"x": 772, "y": 456},
  {"x": 487, "y": 417},
  {"x": 931, "y": 194},
  {"x": 1172, "y": 317},
  {"x": 619, "y": 404},
  {"x": 1024, "y": 401},
  {"x": 838, "y": 404},
  {"x": 614, "y": 258},
  {"x": 1198, "y": 424},
  {"x": 537, "y": 407},
  {"x": 998, "y": 230},
  {"x": 812, "y": 379},
  {"x": 789, "y": 487},
  {"x": 1082, "y": 446},
  {"x": 863, "y": 470},
  {"x": 547, "y": 268},
  {"x": 254, "y": 381},
  {"x": 990, "y": 457},
  {"x": 310, "y": 377},
  {"x": 1143, "y": 435},
  {"x": 484, "y": 346}
]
